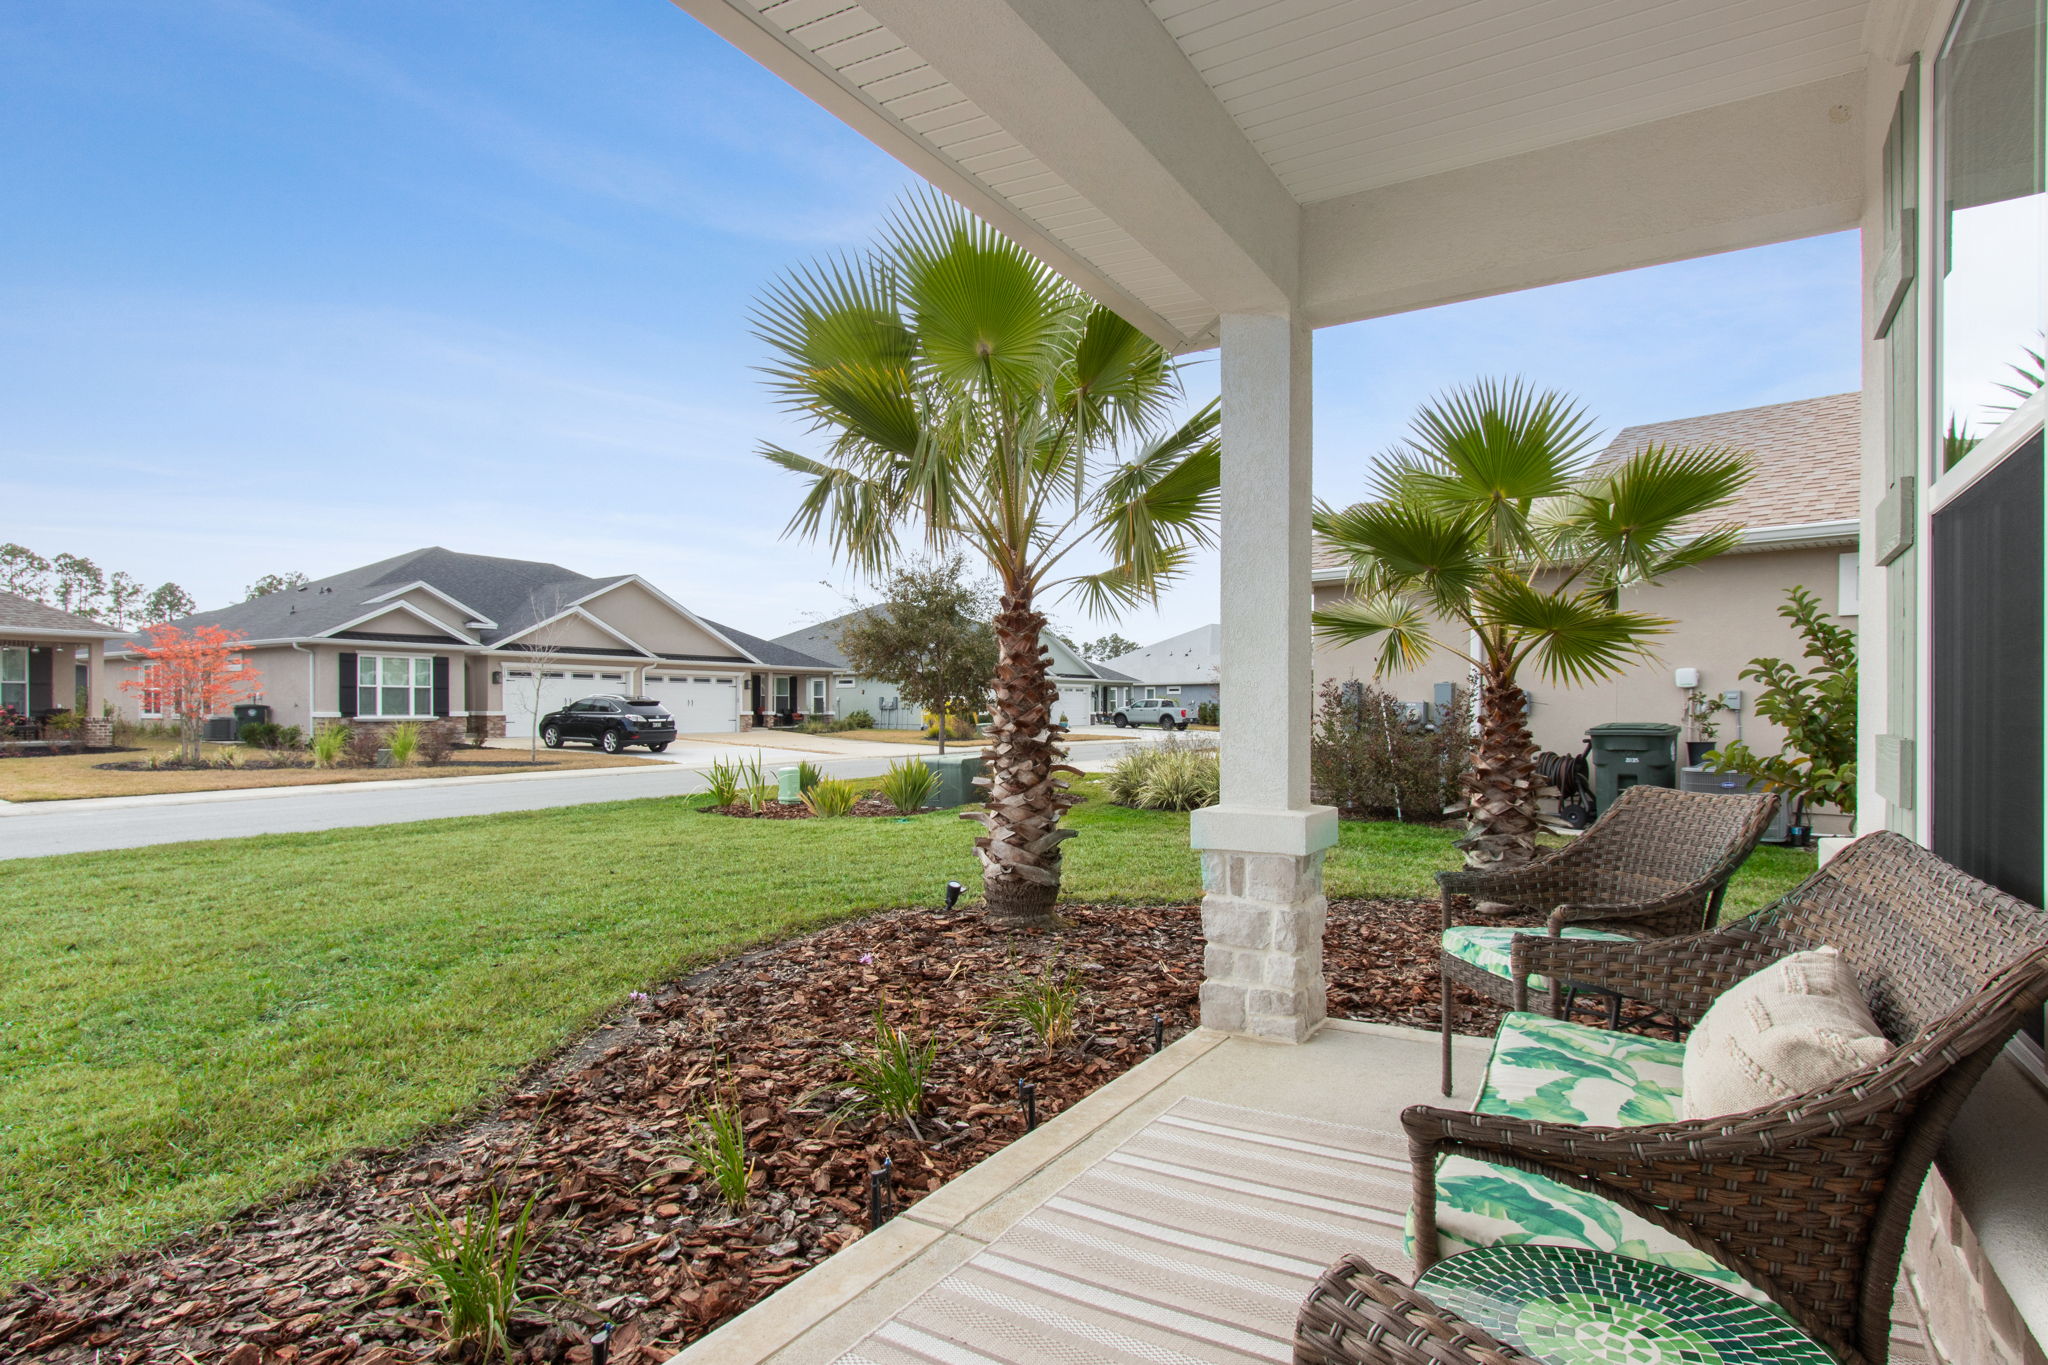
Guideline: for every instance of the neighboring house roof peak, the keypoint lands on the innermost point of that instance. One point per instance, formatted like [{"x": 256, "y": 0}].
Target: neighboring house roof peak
[
  {"x": 1807, "y": 456},
  {"x": 30, "y": 616}
]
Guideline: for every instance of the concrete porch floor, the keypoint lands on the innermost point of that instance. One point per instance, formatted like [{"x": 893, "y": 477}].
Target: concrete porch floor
[{"x": 1352, "y": 1075}]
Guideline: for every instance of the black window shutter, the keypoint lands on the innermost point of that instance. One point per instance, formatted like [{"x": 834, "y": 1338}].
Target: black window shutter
[
  {"x": 440, "y": 684},
  {"x": 348, "y": 685}
]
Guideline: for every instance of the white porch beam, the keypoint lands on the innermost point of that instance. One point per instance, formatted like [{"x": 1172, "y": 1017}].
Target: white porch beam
[
  {"x": 1262, "y": 845},
  {"x": 1103, "y": 96},
  {"x": 1761, "y": 170}
]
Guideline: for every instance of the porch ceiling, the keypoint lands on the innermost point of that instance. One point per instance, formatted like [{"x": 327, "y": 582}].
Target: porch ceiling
[{"x": 1187, "y": 158}]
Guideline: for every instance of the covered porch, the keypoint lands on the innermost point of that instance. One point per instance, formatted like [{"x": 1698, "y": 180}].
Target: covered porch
[
  {"x": 1233, "y": 175},
  {"x": 54, "y": 684},
  {"x": 1182, "y": 1212}
]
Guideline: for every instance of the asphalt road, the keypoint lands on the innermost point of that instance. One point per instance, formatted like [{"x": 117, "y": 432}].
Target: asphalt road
[{"x": 38, "y": 829}]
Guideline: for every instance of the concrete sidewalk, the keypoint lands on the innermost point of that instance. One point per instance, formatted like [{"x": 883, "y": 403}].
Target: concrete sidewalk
[{"x": 38, "y": 829}]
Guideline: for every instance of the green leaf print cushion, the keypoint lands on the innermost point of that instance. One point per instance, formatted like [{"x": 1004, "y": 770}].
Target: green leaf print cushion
[{"x": 1548, "y": 1070}]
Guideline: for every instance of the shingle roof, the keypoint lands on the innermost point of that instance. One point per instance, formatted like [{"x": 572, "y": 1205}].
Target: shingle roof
[
  {"x": 514, "y": 594},
  {"x": 820, "y": 641},
  {"x": 27, "y": 614},
  {"x": 1808, "y": 458},
  {"x": 774, "y": 653}
]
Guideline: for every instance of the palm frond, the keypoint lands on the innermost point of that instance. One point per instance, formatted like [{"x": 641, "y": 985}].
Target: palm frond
[
  {"x": 1626, "y": 521},
  {"x": 1493, "y": 449},
  {"x": 1575, "y": 638},
  {"x": 1119, "y": 589},
  {"x": 845, "y": 356},
  {"x": 855, "y": 513},
  {"x": 988, "y": 315},
  {"x": 1166, "y": 498},
  {"x": 1118, "y": 380},
  {"x": 1401, "y": 546},
  {"x": 1400, "y": 627}
]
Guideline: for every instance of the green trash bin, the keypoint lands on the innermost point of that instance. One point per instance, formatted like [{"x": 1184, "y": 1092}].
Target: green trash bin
[
  {"x": 956, "y": 774},
  {"x": 1630, "y": 753}
]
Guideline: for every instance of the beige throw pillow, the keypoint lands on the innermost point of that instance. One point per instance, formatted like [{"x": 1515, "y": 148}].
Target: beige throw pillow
[{"x": 1800, "y": 1024}]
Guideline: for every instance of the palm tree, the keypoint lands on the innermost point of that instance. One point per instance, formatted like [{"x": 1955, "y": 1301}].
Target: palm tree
[
  {"x": 1486, "y": 538},
  {"x": 977, "y": 402}
]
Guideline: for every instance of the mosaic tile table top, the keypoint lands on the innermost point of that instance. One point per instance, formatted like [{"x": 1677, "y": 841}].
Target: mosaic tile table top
[{"x": 1570, "y": 1306}]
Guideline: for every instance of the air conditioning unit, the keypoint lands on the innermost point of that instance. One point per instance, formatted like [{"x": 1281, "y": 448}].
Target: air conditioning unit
[
  {"x": 221, "y": 730},
  {"x": 1698, "y": 779}
]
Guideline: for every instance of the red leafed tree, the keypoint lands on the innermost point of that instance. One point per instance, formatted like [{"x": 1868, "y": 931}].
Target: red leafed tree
[{"x": 195, "y": 674}]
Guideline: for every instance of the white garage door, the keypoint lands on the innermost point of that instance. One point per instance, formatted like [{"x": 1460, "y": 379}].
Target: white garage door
[
  {"x": 558, "y": 687},
  {"x": 701, "y": 705},
  {"x": 1076, "y": 704}
]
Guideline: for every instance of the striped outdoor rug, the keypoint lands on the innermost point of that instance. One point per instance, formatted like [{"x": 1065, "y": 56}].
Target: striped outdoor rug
[{"x": 1195, "y": 1241}]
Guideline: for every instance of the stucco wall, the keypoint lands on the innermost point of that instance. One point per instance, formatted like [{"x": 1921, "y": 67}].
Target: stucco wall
[{"x": 653, "y": 623}]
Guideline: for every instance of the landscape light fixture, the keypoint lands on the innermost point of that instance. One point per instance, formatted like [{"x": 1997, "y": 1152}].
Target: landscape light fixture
[
  {"x": 1027, "y": 1095},
  {"x": 953, "y": 890},
  {"x": 881, "y": 1194},
  {"x": 601, "y": 1345}
]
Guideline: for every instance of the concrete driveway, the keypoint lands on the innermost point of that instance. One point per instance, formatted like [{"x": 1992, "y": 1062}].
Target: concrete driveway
[{"x": 42, "y": 828}]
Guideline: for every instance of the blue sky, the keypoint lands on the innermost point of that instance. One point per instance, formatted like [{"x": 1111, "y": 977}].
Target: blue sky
[{"x": 297, "y": 286}]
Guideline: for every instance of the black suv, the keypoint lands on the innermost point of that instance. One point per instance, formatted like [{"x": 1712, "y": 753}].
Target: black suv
[{"x": 611, "y": 723}]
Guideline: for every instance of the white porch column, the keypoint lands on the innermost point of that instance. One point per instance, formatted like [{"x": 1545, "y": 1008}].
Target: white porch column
[{"x": 1262, "y": 846}]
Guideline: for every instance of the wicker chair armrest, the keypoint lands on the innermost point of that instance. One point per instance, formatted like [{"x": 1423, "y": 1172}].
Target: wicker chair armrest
[
  {"x": 1681, "y": 976},
  {"x": 1513, "y": 884},
  {"x": 1577, "y": 912},
  {"x": 1357, "y": 1315}
]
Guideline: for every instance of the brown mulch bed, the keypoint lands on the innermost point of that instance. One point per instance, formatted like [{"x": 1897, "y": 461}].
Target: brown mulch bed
[
  {"x": 630, "y": 1231},
  {"x": 867, "y": 807}
]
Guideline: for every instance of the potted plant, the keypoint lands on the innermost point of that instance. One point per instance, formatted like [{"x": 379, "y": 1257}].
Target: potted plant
[{"x": 1700, "y": 709}]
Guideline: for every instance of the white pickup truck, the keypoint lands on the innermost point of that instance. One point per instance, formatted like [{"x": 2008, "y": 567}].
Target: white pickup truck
[{"x": 1164, "y": 712}]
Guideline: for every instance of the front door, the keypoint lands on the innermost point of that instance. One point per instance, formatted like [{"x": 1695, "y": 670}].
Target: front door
[
  {"x": 785, "y": 704},
  {"x": 819, "y": 706}
]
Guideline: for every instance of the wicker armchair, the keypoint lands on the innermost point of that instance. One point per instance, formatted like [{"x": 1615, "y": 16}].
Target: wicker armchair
[
  {"x": 1808, "y": 1199},
  {"x": 1656, "y": 864},
  {"x": 1361, "y": 1316}
]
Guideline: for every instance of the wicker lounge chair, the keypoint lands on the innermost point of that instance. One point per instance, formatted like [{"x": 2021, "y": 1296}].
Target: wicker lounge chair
[
  {"x": 1807, "y": 1200},
  {"x": 1655, "y": 865}
]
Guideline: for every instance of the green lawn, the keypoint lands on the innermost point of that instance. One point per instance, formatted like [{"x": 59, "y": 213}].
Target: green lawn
[{"x": 188, "y": 1028}]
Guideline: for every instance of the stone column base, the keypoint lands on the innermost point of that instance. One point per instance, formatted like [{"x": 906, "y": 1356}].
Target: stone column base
[{"x": 1262, "y": 915}]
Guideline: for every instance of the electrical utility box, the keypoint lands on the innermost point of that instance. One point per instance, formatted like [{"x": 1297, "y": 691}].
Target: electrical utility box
[{"x": 956, "y": 774}]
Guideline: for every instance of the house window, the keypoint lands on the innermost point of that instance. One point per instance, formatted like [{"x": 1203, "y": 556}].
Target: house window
[
  {"x": 784, "y": 690},
  {"x": 394, "y": 686},
  {"x": 818, "y": 702},
  {"x": 846, "y": 682},
  {"x": 1992, "y": 212},
  {"x": 14, "y": 679},
  {"x": 152, "y": 701}
]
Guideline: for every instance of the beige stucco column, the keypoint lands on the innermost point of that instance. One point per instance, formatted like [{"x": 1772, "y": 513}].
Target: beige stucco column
[
  {"x": 95, "y": 677},
  {"x": 1262, "y": 845}
]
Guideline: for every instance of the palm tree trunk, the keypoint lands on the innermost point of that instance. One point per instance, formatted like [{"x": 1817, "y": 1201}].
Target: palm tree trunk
[
  {"x": 1020, "y": 854},
  {"x": 1500, "y": 781}
]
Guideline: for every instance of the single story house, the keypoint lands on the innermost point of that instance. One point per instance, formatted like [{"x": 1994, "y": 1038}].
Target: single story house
[
  {"x": 1086, "y": 689},
  {"x": 1800, "y": 530},
  {"x": 1187, "y": 666},
  {"x": 493, "y": 644},
  {"x": 52, "y": 660}
]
